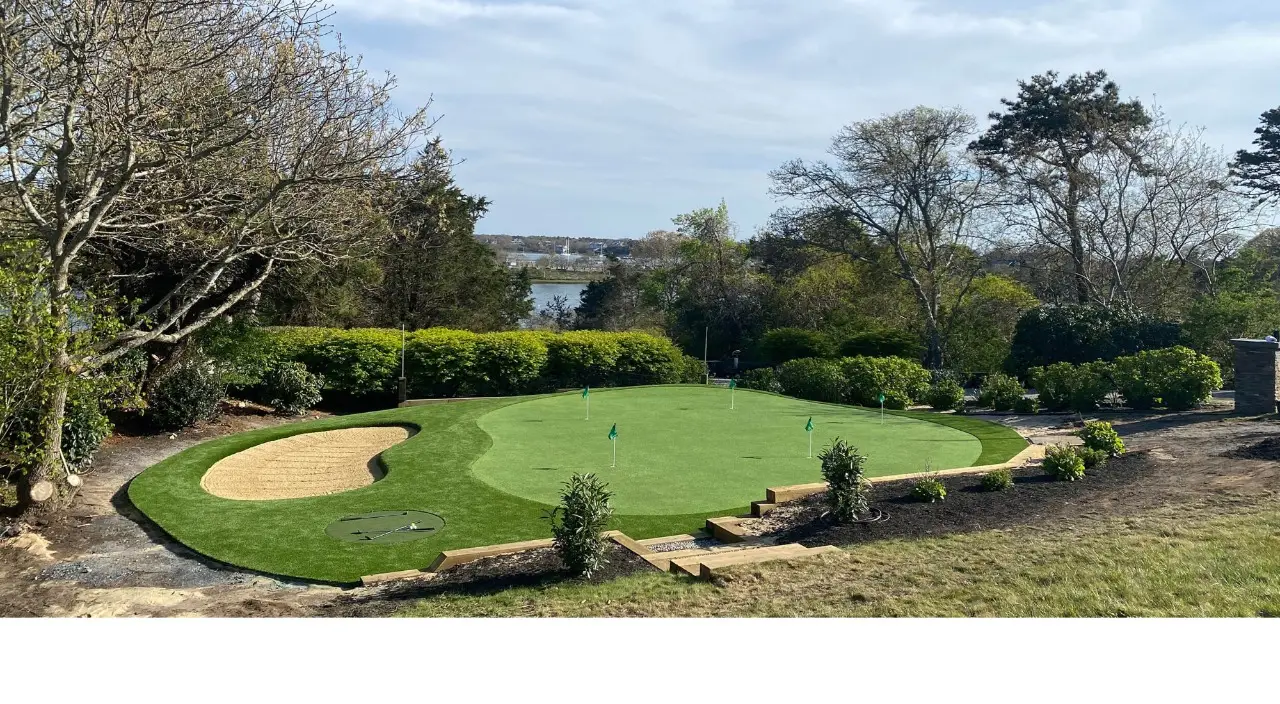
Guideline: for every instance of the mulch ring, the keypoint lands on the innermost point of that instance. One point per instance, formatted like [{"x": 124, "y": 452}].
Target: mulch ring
[
  {"x": 1267, "y": 449},
  {"x": 534, "y": 568},
  {"x": 1033, "y": 498}
]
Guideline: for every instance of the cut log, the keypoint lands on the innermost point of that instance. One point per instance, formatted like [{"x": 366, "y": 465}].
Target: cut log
[
  {"x": 42, "y": 491},
  {"x": 74, "y": 480}
]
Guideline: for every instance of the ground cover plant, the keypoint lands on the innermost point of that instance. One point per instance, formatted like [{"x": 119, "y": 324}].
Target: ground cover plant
[{"x": 491, "y": 467}]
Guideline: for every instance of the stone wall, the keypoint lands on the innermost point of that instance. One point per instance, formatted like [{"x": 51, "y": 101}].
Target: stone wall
[{"x": 1257, "y": 384}]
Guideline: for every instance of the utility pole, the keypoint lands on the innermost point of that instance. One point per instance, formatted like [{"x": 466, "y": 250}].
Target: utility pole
[{"x": 706, "y": 369}]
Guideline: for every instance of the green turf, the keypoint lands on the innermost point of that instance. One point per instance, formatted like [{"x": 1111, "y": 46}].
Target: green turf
[
  {"x": 432, "y": 471},
  {"x": 683, "y": 451}
]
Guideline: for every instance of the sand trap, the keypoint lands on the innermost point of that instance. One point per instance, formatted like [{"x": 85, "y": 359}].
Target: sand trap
[{"x": 311, "y": 464}]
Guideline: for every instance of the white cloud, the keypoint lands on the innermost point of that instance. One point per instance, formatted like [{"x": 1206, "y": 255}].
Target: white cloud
[{"x": 609, "y": 117}]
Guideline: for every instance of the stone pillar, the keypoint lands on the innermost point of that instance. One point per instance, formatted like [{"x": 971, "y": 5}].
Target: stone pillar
[{"x": 1257, "y": 384}]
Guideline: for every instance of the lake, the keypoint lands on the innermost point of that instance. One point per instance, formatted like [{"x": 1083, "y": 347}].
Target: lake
[{"x": 543, "y": 293}]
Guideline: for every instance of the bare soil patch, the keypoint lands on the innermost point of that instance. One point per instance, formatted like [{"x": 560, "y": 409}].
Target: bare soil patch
[{"x": 1265, "y": 449}]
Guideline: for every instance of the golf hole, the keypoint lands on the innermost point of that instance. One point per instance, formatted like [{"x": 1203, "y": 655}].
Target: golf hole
[{"x": 385, "y": 527}]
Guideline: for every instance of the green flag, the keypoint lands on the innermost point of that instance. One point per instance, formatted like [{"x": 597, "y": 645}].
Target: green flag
[
  {"x": 881, "y": 398},
  {"x": 586, "y": 391},
  {"x": 613, "y": 432},
  {"x": 733, "y": 383},
  {"x": 809, "y": 426}
]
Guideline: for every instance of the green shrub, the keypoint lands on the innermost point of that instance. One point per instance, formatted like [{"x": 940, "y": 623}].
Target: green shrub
[
  {"x": 1091, "y": 457},
  {"x": 1135, "y": 382},
  {"x": 291, "y": 389},
  {"x": 785, "y": 344},
  {"x": 1026, "y": 406},
  {"x": 946, "y": 395},
  {"x": 929, "y": 489},
  {"x": 812, "y": 379},
  {"x": 1180, "y": 377},
  {"x": 1000, "y": 392},
  {"x": 1079, "y": 388},
  {"x": 645, "y": 359},
  {"x": 848, "y": 491},
  {"x": 692, "y": 370},
  {"x": 763, "y": 379},
  {"x": 902, "y": 381},
  {"x": 578, "y": 523},
  {"x": 189, "y": 394},
  {"x": 441, "y": 362},
  {"x": 582, "y": 358},
  {"x": 997, "y": 480},
  {"x": 1100, "y": 436},
  {"x": 1082, "y": 333},
  {"x": 84, "y": 428},
  {"x": 1063, "y": 463},
  {"x": 357, "y": 362},
  {"x": 504, "y": 363},
  {"x": 883, "y": 343}
]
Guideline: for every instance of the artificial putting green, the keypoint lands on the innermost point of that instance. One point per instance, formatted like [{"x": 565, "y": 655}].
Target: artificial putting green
[{"x": 491, "y": 467}]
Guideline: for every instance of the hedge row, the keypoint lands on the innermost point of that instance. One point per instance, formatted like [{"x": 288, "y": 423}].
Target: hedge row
[
  {"x": 442, "y": 363},
  {"x": 1177, "y": 378},
  {"x": 857, "y": 380}
]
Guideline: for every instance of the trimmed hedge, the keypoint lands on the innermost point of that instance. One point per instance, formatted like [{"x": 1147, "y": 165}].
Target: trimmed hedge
[
  {"x": 441, "y": 363},
  {"x": 785, "y": 344},
  {"x": 1177, "y": 378},
  {"x": 856, "y": 380}
]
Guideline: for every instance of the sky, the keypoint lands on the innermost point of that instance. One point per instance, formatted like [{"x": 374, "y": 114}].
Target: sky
[{"x": 606, "y": 118}]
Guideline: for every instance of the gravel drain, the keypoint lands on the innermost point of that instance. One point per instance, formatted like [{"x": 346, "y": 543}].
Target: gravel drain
[{"x": 694, "y": 544}]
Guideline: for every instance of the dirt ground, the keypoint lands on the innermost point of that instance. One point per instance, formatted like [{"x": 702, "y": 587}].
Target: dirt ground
[{"x": 104, "y": 559}]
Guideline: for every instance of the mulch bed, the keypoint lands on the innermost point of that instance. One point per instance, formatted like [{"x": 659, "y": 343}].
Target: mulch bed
[
  {"x": 1268, "y": 449},
  {"x": 1033, "y": 498},
  {"x": 534, "y": 568}
]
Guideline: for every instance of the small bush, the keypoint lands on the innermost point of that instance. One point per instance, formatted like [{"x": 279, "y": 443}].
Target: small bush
[
  {"x": 1000, "y": 392},
  {"x": 946, "y": 395},
  {"x": 291, "y": 389},
  {"x": 902, "y": 381},
  {"x": 188, "y": 395},
  {"x": 763, "y": 379},
  {"x": 997, "y": 480},
  {"x": 929, "y": 489},
  {"x": 1063, "y": 463},
  {"x": 84, "y": 428},
  {"x": 578, "y": 522},
  {"x": 785, "y": 344},
  {"x": 1078, "y": 388},
  {"x": 848, "y": 492},
  {"x": 1100, "y": 436},
  {"x": 883, "y": 343},
  {"x": 1026, "y": 406},
  {"x": 812, "y": 379},
  {"x": 1091, "y": 457},
  {"x": 693, "y": 370},
  {"x": 1178, "y": 377}
]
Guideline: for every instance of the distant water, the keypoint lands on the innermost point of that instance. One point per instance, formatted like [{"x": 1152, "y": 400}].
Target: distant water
[{"x": 543, "y": 293}]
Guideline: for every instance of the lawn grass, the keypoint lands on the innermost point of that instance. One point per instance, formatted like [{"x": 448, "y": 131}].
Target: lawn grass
[
  {"x": 1160, "y": 564},
  {"x": 432, "y": 471}
]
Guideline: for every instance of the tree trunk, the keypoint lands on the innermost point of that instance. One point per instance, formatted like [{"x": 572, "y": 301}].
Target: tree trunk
[
  {"x": 1077, "y": 240},
  {"x": 50, "y": 467}
]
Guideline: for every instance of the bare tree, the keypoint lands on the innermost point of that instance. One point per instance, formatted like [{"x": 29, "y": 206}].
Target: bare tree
[
  {"x": 902, "y": 182},
  {"x": 223, "y": 135}
]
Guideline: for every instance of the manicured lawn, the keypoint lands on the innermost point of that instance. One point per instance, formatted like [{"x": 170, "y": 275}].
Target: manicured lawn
[{"x": 490, "y": 468}]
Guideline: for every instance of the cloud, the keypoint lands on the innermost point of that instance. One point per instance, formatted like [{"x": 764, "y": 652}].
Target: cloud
[{"x": 599, "y": 117}]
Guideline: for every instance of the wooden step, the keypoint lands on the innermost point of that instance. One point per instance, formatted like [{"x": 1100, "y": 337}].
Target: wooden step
[
  {"x": 708, "y": 567},
  {"x": 693, "y": 565},
  {"x": 726, "y": 530},
  {"x": 452, "y": 558},
  {"x": 761, "y": 508}
]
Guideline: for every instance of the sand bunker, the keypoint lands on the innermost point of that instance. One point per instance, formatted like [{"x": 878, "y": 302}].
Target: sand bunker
[{"x": 311, "y": 464}]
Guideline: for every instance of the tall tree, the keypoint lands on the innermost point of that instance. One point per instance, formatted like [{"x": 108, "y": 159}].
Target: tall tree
[
  {"x": 229, "y": 136},
  {"x": 1259, "y": 170},
  {"x": 434, "y": 270},
  {"x": 1039, "y": 146},
  {"x": 903, "y": 183}
]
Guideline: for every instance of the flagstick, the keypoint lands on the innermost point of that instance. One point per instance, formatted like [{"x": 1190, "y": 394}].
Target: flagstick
[
  {"x": 588, "y": 407},
  {"x": 731, "y": 399},
  {"x": 614, "y": 461},
  {"x": 810, "y": 444},
  {"x": 881, "y": 412}
]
